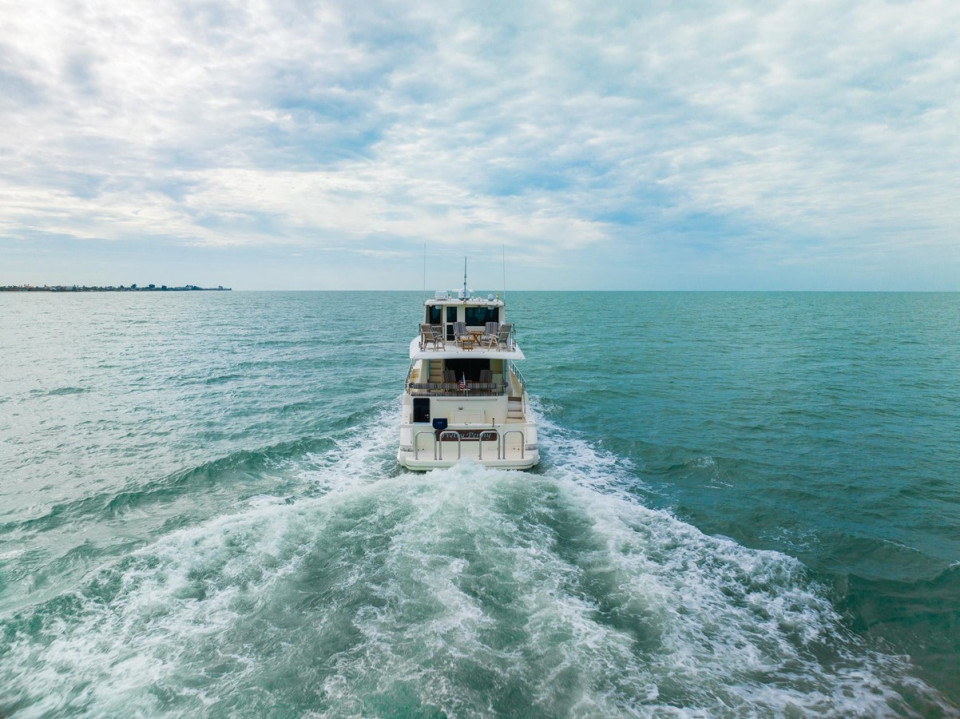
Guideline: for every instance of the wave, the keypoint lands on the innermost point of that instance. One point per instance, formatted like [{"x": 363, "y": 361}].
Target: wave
[
  {"x": 250, "y": 464},
  {"x": 67, "y": 390},
  {"x": 937, "y": 598},
  {"x": 56, "y": 392},
  {"x": 466, "y": 592}
]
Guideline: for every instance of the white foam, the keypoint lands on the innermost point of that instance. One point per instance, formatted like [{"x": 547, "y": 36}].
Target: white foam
[
  {"x": 452, "y": 589},
  {"x": 359, "y": 457}
]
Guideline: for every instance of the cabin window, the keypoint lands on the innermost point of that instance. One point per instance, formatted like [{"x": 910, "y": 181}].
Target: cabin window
[
  {"x": 479, "y": 316},
  {"x": 435, "y": 315}
]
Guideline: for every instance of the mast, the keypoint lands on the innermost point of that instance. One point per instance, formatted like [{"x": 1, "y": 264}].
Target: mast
[{"x": 463, "y": 294}]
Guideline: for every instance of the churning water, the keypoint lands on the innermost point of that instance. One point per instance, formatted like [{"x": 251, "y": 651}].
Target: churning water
[{"x": 747, "y": 506}]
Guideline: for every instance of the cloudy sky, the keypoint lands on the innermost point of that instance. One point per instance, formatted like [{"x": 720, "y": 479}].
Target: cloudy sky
[{"x": 270, "y": 144}]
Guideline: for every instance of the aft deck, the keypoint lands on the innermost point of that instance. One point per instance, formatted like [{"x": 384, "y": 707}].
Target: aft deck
[{"x": 507, "y": 381}]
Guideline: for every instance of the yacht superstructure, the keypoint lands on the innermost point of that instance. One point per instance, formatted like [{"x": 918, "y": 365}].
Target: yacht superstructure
[{"x": 464, "y": 396}]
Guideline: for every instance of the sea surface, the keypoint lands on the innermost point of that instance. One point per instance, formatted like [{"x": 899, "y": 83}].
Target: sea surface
[{"x": 748, "y": 506}]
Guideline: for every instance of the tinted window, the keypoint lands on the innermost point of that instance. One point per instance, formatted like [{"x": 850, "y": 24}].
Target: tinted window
[{"x": 480, "y": 315}]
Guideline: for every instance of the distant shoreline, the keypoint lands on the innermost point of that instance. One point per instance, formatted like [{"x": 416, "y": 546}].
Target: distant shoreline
[{"x": 111, "y": 288}]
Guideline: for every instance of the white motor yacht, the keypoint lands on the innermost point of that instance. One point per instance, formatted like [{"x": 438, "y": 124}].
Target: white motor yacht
[{"x": 464, "y": 396}]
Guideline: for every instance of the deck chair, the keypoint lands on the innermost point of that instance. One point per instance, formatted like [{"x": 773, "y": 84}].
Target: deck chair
[
  {"x": 430, "y": 335},
  {"x": 449, "y": 381},
  {"x": 460, "y": 331},
  {"x": 426, "y": 337},
  {"x": 489, "y": 333},
  {"x": 439, "y": 341},
  {"x": 502, "y": 338}
]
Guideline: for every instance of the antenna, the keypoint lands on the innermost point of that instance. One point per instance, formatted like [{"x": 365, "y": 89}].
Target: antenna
[
  {"x": 424, "y": 270},
  {"x": 503, "y": 258},
  {"x": 463, "y": 295}
]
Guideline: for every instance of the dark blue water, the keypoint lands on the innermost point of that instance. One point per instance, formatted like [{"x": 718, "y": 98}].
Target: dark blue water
[{"x": 747, "y": 506}]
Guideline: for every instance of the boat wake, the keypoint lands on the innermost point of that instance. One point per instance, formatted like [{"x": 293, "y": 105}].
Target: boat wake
[{"x": 368, "y": 591}]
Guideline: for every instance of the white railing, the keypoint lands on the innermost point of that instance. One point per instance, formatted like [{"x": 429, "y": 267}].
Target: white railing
[
  {"x": 496, "y": 438},
  {"x": 487, "y": 435},
  {"x": 503, "y": 441},
  {"x": 453, "y": 433}
]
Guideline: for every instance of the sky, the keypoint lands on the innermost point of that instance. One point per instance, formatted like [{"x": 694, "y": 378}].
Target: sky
[{"x": 647, "y": 145}]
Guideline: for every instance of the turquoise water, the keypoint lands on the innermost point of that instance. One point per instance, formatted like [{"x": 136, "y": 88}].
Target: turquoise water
[{"x": 747, "y": 506}]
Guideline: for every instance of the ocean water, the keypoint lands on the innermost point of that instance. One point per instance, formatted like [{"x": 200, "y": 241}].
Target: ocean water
[{"x": 748, "y": 505}]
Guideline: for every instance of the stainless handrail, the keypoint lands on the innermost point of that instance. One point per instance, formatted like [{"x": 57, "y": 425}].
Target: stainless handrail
[
  {"x": 519, "y": 375},
  {"x": 456, "y": 434},
  {"x": 416, "y": 448},
  {"x": 410, "y": 373},
  {"x": 496, "y": 438},
  {"x": 503, "y": 441}
]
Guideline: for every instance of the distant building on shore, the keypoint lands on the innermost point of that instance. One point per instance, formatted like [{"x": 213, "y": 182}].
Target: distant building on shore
[{"x": 110, "y": 288}]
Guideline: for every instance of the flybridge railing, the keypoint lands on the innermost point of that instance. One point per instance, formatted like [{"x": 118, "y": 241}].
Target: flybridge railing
[{"x": 447, "y": 331}]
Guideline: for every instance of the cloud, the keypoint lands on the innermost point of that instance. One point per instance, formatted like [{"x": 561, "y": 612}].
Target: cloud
[{"x": 586, "y": 137}]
